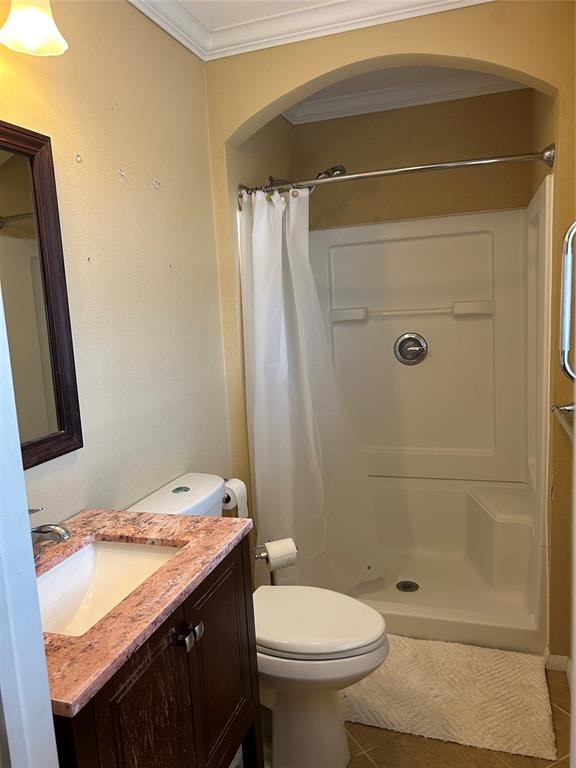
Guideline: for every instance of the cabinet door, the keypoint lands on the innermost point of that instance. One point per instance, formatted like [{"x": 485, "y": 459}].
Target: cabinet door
[
  {"x": 143, "y": 715},
  {"x": 223, "y": 681}
]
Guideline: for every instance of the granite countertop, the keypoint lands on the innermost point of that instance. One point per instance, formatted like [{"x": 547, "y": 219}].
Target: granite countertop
[{"x": 79, "y": 666}]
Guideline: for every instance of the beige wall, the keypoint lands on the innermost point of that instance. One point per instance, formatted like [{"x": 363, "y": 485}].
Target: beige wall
[
  {"x": 499, "y": 124},
  {"x": 532, "y": 42},
  {"x": 269, "y": 152},
  {"x": 140, "y": 262},
  {"x": 544, "y": 130}
]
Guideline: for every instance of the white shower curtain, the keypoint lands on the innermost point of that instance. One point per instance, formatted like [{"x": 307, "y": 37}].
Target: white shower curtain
[{"x": 307, "y": 474}]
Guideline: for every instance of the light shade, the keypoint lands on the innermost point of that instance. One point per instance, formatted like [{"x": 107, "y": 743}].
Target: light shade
[{"x": 30, "y": 28}]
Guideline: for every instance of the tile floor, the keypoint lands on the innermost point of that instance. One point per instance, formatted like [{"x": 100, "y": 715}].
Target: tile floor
[{"x": 375, "y": 748}]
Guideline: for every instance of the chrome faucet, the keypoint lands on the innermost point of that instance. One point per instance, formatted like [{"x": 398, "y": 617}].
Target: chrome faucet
[{"x": 47, "y": 532}]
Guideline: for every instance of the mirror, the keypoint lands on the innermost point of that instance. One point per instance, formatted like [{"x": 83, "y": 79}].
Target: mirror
[{"x": 33, "y": 285}]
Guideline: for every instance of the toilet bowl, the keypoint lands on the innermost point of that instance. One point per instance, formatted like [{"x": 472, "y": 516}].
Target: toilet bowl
[{"x": 311, "y": 644}]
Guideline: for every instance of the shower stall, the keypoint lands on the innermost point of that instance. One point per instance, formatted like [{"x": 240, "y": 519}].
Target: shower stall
[{"x": 439, "y": 331}]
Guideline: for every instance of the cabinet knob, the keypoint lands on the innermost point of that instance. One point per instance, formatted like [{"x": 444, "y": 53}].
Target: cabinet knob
[
  {"x": 193, "y": 635},
  {"x": 199, "y": 631}
]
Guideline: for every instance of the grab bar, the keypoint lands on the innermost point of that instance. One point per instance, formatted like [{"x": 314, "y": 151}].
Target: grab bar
[{"x": 566, "y": 302}]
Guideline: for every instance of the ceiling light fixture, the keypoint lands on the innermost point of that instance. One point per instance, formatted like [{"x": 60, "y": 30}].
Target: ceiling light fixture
[{"x": 30, "y": 28}]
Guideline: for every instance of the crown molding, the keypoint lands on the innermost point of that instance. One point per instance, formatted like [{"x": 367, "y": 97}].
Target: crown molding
[
  {"x": 178, "y": 19},
  {"x": 384, "y": 99}
]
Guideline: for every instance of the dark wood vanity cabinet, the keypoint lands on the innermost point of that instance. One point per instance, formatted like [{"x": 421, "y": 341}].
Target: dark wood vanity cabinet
[
  {"x": 188, "y": 698},
  {"x": 143, "y": 716},
  {"x": 220, "y": 666}
]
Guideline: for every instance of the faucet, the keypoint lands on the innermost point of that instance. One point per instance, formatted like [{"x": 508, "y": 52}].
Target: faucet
[{"x": 47, "y": 532}]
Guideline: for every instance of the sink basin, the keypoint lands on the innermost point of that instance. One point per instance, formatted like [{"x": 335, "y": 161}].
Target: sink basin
[{"x": 84, "y": 587}]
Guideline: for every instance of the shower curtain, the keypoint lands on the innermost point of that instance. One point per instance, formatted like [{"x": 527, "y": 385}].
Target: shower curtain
[{"x": 308, "y": 480}]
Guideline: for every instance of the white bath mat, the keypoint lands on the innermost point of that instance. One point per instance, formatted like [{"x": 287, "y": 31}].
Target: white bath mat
[{"x": 474, "y": 696}]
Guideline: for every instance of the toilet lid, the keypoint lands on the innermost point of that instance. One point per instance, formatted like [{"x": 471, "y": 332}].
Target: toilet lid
[{"x": 302, "y": 621}]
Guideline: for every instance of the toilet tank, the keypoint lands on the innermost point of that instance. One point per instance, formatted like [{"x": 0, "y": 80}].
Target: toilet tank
[{"x": 191, "y": 494}]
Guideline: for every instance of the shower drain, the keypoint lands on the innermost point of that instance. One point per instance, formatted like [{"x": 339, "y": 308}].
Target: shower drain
[{"x": 407, "y": 586}]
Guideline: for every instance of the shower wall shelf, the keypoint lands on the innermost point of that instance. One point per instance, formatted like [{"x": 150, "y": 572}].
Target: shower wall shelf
[
  {"x": 565, "y": 415},
  {"x": 457, "y": 308}
]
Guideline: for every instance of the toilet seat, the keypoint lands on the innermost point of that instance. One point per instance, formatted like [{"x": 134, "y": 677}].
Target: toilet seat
[
  {"x": 321, "y": 656},
  {"x": 312, "y": 624}
]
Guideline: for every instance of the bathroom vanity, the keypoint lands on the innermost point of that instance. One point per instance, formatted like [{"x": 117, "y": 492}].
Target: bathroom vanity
[{"x": 168, "y": 677}]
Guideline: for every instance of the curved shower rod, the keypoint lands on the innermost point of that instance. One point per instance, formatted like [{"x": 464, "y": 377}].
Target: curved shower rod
[{"x": 546, "y": 156}]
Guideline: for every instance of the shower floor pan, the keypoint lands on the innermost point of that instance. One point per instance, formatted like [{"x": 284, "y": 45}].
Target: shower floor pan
[{"x": 453, "y": 603}]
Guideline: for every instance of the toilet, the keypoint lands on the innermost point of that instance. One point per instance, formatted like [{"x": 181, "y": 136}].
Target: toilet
[{"x": 311, "y": 643}]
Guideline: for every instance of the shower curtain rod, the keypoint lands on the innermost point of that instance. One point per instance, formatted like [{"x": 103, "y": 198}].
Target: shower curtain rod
[{"x": 546, "y": 156}]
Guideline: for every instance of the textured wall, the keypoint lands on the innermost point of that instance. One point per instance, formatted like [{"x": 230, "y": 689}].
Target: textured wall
[
  {"x": 269, "y": 152},
  {"x": 140, "y": 262}
]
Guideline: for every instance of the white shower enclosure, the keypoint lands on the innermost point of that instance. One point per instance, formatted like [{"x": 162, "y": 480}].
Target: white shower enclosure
[{"x": 456, "y": 445}]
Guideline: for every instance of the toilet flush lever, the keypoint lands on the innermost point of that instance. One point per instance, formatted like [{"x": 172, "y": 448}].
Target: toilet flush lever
[{"x": 193, "y": 636}]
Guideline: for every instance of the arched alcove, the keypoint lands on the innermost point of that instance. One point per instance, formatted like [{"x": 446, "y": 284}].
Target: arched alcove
[
  {"x": 283, "y": 101},
  {"x": 376, "y": 248},
  {"x": 441, "y": 112}
]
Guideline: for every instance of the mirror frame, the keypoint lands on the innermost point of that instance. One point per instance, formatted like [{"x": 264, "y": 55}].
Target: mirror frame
[{"x": 37, "y": 148}]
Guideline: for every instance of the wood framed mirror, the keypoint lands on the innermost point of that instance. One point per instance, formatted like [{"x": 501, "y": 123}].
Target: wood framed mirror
[{"x": 33, "y": 284}]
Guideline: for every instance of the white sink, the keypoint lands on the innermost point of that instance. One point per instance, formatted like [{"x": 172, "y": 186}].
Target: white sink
[{"x": 84, "y": 587}]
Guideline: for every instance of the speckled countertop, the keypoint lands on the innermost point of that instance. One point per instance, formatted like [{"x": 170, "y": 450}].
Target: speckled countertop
[{"x": 79, "y": 666}]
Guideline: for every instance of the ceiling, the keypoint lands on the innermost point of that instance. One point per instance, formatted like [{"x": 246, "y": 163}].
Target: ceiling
[
  {"x": 213, "y": 29},
  {"x": 218, "y": 14},
  {"x": 393, "y": 89}
]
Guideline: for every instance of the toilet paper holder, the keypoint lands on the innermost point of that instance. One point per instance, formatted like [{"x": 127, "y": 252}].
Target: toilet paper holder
[
  {"x": 284, "y": 554},
  {"x": 261, "y": 554}
]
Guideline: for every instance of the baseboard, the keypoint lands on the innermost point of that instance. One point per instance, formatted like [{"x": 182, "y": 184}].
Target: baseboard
[
  {"x": 557, "y": 663},
  {"x": 560, "y": 664}
]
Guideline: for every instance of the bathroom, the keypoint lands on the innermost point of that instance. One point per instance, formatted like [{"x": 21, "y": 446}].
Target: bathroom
[{"x": 148, "y": 228}]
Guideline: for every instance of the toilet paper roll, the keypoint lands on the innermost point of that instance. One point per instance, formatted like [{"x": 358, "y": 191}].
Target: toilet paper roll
[
  {"x": 236, "y": 490},
  {"x": 281, "y": 553}
]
